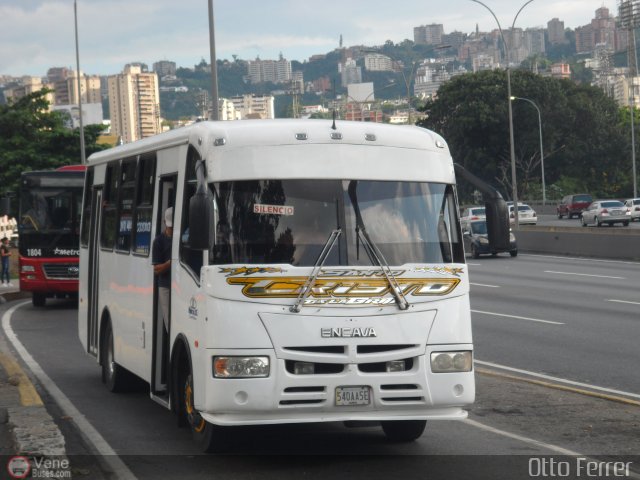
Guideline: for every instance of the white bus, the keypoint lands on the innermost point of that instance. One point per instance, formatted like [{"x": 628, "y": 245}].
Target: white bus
[{"x": 317, "y": 275}]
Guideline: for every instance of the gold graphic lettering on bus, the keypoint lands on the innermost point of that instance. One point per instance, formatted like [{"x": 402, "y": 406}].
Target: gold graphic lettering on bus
[
  {"x": 342, "y": 288},
  {"x": 249, "y": 270}
]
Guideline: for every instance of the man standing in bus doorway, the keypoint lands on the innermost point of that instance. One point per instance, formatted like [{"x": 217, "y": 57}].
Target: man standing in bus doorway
[
  {"x": 161, "y": 260},
  {"x": 6, "y": 253}
]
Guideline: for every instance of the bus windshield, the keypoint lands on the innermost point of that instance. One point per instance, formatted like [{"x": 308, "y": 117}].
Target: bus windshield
[
  {"x": 50, "y": 218},
  {"x": 289, "y": 221}
]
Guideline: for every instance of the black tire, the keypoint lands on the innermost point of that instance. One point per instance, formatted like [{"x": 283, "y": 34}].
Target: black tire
[
  {"x": 115, "y": 378},
  {"x": 584, "y": 224},
  {"x": 403, "y": 430},
  {"x": 38, "y": 299},
  {"x": 474, "y": 252},
  {"x": 208, "y": 437},
  {"x": 597, "y": 222},
  {"x": 560, "y": 216},
  {"x": 625, "y": 224},
  {"x": 513, "y": 253},
  {"x": 569, "y": 216}
]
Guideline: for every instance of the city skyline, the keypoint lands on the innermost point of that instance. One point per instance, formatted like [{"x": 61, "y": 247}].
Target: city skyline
[{"x": 39, "y": 34}]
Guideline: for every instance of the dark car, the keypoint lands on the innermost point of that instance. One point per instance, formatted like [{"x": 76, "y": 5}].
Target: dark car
[
  {"x": 573, "y": 205},
  {"x": 476, "y": 241}
]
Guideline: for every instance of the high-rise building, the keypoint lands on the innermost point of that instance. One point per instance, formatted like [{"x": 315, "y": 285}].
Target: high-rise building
[
  {"x": 428, "y": 34},
  {"x": 350, "y": 72},
  {"x": 89, "y": 88},
  {"x": 253, "y": 107},
  {"x": 164, "y": 68},
  {"x": 376, "y": 62},
  {"x": 555, "y": 32},
  {"x": 275, "y": 71},
  {"x": 134, "y": 105}
]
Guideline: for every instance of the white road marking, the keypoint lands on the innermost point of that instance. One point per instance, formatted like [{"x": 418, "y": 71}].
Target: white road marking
[
  {"x": 558, "y": 380},
  {"x": 623, "y": 301},
  {"x": 583, "y": 275},
  {"x": 590, "y": 260},
  {"x": 474, "y": 264},
  {"x": 120, "y": 470},
  {"x": 483, "y": 285},
  {"x": 517, "y": 317}
]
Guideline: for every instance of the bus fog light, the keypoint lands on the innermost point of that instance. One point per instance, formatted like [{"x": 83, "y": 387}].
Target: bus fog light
[
  {"x": 396, "y": 366},
  {"x": 240, "y": 367},
  {"x": 442, "y": 362},
  {"x": 304, "y": 368}
]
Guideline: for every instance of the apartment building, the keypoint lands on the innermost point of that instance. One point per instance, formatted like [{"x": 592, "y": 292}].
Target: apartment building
[
  {"x": 134, "y": 105},
  {"x": 253, "y": 107},
  {"x": 275, "y": 71},
  {"x": 555, "y": 32},
  {"x": 376, "y": 62},
  {"x": 428, "y": 34},
  {"x": 164, "y": 68},
  {"x": 27, "y": 86}
]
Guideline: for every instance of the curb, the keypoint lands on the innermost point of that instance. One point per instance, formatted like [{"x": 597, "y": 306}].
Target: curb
[{"x": 30, "y": 427}]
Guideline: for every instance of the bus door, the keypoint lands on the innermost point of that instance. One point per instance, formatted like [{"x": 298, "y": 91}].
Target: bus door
[
  {"x": 93, "y": 277},
  {"x": 160, "y": 344}
]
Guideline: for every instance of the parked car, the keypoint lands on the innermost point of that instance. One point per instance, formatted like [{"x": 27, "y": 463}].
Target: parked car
[
  {"x": 573, "y": 205},
  {"x": 633, "y": 204},
  {"x": 526, "y": 214},
  {"x": 605, "y": 211},
  {"x": 472, "y": 213},
  {"x": 476, "y": 240}
]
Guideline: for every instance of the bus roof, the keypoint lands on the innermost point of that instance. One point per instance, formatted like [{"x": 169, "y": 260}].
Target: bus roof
[{"x": 286, "y": 148}]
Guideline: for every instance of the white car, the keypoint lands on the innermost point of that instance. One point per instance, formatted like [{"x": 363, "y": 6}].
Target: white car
[
  {"x": 633, "y": 204},
  {"x": 526, "y": 214},
  {"x": 471, "y": 214}
]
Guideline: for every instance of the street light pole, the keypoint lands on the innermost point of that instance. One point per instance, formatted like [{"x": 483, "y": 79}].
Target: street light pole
[
  {"x": 544, "y": 189},
  {"x": 514, "y": 186},
  {"x": 214, "y": 65},
  {"x": 83, "y": 157}
]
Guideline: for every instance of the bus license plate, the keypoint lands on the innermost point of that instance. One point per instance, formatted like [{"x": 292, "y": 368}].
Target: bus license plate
[{"x": 347, "y": 396}]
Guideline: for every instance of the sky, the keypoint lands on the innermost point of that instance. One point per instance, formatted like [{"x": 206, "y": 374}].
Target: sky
[{"x": 38, "y": 34}]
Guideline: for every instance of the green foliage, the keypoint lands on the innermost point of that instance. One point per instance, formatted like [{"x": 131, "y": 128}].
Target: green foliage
[
  {"x": 32, "y": 138},
  {"x": 583, "y": 135}
]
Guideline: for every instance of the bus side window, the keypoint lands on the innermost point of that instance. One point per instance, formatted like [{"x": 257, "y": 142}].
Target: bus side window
[
  {"x": 109, "y": 207},
  {"x": 86, "y": 208},
  {"x": 189, "y": 257},
  {"x": 125, "y": 205},
  {"x": 144, "y": 205}
]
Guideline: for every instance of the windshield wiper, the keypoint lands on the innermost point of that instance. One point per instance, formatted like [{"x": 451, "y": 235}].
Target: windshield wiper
[
  {"x": 311, "y": 280},
  {"x": 373, "y": 251}
]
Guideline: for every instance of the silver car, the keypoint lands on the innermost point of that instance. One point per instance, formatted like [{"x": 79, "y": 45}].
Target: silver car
[
  {"x": 526, "y": 214},
  {"x": 605, "y": 211},
  {"x": 633, "y": 204}
]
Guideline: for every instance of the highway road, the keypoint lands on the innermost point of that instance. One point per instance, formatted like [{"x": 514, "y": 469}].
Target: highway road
[
  {"x": 554, "y": 221},
  {"x": 569, "y": 319}
]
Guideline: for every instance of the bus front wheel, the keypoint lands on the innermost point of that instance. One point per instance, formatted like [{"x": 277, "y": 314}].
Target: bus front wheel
[
  {"x": 403, "y": 430},
  {"x": 208, "y": 437},
  {"x": 113, "y": 375},
  {"x": 38, "y": 299}
]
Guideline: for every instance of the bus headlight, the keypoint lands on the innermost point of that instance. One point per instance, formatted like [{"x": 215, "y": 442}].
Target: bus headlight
[
  {"x": 240, "y": 367},
  {"x": 445, "y": 362},
  {"x": 27, "y": 268}
]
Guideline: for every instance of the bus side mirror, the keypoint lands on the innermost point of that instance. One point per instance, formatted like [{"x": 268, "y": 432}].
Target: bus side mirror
[
  {"x": 201, "y": 220},
  {"x": 498, "y": 226}
]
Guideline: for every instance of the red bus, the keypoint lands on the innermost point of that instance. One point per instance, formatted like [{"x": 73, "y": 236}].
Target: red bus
[{"x": 49, "y": 232}]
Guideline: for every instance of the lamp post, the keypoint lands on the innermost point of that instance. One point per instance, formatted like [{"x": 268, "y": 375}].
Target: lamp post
[
  {"x": 214, "y": 65},
  {"x": 514, "y": 186},
  {"x": 544, "y": 189},
  {"x": 83, "y": 156}
]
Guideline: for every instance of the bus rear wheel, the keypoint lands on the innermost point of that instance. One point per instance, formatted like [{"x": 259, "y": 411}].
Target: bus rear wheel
[
  {"x": 208, "y": 437},
  {"x": 403, "y": 430}
]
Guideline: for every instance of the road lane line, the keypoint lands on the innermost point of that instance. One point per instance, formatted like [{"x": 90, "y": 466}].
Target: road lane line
[
  {"x": 483, "y": 285},
  {"x": 584, "y": 275},
  {"x": 623, "y": 301},
  {"x": 86, "y": 429},
  {"x": 517, "y": 317},
  {"x": 590, "y": 260},
  {"x": 559, "y": 380}
]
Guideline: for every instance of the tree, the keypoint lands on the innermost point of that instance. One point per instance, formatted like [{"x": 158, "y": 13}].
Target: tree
[
  {"x": 582, "y": 132},
  {"x": 33, "y": 138}
]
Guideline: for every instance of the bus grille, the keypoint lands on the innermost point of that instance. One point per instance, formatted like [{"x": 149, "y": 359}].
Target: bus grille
[{"x": 61, "y": 271}]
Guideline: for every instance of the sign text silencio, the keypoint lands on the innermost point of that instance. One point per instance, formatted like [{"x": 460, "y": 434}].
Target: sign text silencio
[{"x": 273, "y": 209}]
